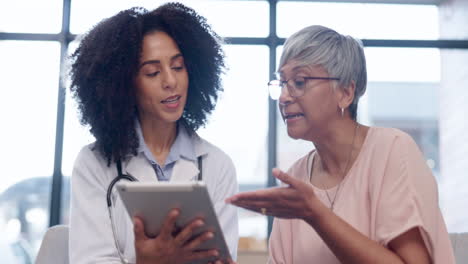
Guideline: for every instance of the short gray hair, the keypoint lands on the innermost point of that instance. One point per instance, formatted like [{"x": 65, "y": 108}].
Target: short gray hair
[{"x": 341, "y": 56}]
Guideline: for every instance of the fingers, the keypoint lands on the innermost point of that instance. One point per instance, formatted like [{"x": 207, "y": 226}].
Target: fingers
[
  {"x": 270, "y": 194},
  {"x": 285, "y": 178},
  {"x": 254, "y": 205},
  {"x": 139, "y": 229},
  {"x": 282, "y": 176},
  {"x": 204, "y": 254},
  {"x": 229, "y": 199},
  {"x": 188, "y": 232},
  {"x": 169, "y": 224},
  {"x": 192, "y": 245}
]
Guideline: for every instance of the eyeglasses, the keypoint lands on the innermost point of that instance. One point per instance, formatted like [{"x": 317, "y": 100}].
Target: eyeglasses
[{"x": 296, "y": 86}]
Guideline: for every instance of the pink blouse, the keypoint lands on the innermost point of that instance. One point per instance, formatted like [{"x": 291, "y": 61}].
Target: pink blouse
[{"x": 388, "y": 190}]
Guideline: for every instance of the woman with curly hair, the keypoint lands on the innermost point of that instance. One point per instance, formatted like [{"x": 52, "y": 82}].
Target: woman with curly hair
[{"x": 145, "y": 81}]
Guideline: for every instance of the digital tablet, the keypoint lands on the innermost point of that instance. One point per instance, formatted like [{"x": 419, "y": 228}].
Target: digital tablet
[{"x": 153, "y": 201}]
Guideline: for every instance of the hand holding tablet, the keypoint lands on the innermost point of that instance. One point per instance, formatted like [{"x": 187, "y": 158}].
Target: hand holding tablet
[{"x": 179, "y": 217}]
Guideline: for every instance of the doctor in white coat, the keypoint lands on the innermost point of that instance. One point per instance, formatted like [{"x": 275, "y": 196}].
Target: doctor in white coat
[{"x": 144, "y": 82}]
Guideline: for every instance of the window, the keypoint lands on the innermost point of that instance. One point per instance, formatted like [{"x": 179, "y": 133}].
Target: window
[
  {"x": 223, "y": 16},
  {"x": 28, "y": 112},
  {"x": 405, "y": 98},
  {"x": 31, "y": 16},
  {"x": 243, "y": 108},
  {"x": 366, "y": 21}
]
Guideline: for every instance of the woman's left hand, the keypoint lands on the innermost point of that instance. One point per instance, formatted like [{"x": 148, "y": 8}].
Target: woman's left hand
[{"x": 297, "y": 200}]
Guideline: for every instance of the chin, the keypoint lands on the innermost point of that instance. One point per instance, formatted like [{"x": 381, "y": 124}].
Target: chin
[
  {"x": 175, "y": 118},
  {"x": 295, "y": 134},
  {"x": 172, "y": 118}
]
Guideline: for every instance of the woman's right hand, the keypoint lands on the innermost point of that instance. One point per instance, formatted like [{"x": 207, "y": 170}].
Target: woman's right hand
[{"x": 168, "y": 247}]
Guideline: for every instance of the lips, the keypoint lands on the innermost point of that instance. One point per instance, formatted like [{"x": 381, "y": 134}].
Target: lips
[
  {"x": 171, "y": 99},
  {"x": 292, "y": 115}
]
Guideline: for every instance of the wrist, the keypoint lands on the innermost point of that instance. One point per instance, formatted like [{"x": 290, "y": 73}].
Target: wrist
[{"x": 315, "y": 212}]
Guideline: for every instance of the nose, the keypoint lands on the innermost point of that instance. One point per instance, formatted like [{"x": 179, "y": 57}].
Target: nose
[
  {"x": 169, "y": 79},
  {"x": 285, "y": 98}
]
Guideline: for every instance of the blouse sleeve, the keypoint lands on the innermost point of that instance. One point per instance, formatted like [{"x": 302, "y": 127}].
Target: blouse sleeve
[{"x": 408, "y": 196}]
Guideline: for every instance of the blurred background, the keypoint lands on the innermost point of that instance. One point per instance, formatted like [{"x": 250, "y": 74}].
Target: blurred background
[{"x": 417, "y": 55}]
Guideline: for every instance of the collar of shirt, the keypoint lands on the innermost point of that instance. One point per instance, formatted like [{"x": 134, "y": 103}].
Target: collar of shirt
[{"x": 181, "y": 148}]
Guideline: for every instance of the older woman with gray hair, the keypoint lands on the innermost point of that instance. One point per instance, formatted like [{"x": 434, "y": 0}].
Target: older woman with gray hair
[{"x": 364, "y": 194}]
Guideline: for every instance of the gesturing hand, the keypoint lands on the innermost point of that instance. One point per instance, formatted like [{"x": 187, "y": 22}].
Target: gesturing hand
[
  {"x": 294, "y": 201},
  {"x": 168, "y": 247}
]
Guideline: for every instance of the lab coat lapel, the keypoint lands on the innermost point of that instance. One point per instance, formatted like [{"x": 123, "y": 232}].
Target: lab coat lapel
[
  {"x": 141, "y": 169},
  {"x": 184, "y": 170}
]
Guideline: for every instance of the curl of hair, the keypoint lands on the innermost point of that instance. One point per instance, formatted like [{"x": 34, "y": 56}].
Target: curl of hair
[{"x": 106, "y": 63}]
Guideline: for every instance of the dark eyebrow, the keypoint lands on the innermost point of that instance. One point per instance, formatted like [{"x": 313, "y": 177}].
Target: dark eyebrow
[{"x": 178, "y": 55}]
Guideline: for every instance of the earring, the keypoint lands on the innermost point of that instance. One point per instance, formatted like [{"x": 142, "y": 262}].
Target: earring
[{"x": 342, "y": 112}]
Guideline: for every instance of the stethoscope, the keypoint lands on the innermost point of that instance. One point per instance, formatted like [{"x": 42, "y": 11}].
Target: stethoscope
[{"x": 129, "y": 177}]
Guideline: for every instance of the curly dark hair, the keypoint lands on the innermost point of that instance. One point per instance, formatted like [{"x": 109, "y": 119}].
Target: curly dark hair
[{"x": 105, "y": 65}]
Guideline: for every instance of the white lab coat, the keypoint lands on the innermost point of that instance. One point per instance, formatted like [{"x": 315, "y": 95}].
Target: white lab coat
[{"x": 91, "y": 239}]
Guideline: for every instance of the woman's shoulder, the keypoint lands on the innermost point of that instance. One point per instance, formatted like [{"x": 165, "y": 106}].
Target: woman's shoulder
[
  {"x": 388, "y": 137},
  {"x": 215, "y": 160},
  {"x": 388, "y": 132},
  {"x": 89, "y": 154},
  {"x": 91, "y": 169},
  {"x": 397, "y": 153},
  {"x": 383, "y": 145},
  {"x": 212, "y": 151}
]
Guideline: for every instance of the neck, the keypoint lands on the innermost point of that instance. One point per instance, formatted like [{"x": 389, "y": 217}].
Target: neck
[
  {"x": 338, "y": 149},
  {"x": 159, "y": 137}
]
